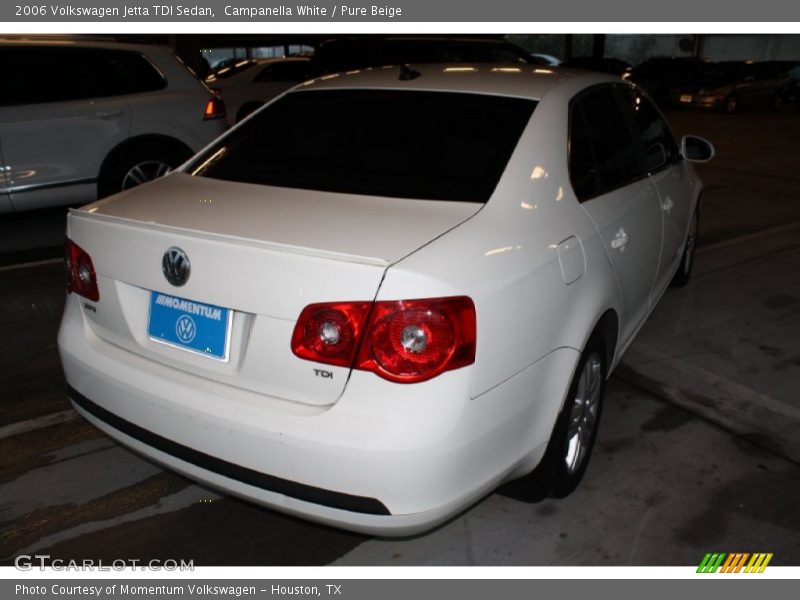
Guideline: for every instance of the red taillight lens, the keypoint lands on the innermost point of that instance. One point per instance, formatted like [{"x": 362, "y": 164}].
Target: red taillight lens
[
  {"x": 329, "y": 332},
  {"x": 414, "y": 340},
  {"x": 215, "y": 108},
  {"x": 81, "y": 277},
  {"x": 404, "y": 341}
]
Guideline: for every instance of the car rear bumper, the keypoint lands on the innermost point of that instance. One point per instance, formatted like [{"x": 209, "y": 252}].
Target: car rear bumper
[{"x": 386, "y": 459}]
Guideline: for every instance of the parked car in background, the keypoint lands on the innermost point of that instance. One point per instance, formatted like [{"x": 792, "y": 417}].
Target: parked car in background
[
  {"x": 347, "y": 53},
  {"x": 386, "y": 292},
  {"x": 83, "y": 119},
  {"x": 248, "y": 84},
  {"x": 606, "y": 64},
  {"x": 730, "y": 85},
  {"x": 657, "y": 76}
]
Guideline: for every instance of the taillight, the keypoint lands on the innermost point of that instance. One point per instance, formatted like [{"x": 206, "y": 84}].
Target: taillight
[
  {"x": 329, "y": 332},
  {"x": 405, "y": 341},
  {"x": 81, "y": 277},
  {"x": 215, "y": 108}
]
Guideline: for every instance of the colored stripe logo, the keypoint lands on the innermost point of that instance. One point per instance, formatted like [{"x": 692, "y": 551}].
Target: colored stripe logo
[{"x": 736, "y": 562}]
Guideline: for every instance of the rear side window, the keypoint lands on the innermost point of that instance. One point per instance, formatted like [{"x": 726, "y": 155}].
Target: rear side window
[
  {"x": 58, "y": 74},
  {"x": 421, "y": 145},
  {"x": 606, "y": 132}
]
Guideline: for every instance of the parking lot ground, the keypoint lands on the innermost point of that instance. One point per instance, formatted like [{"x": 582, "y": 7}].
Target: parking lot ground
[
  {"x": 31, "y": 383},
  {"x": 728, "y": 346}
]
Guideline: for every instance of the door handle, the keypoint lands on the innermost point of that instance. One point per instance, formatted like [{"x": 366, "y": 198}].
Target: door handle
[
  {"x": 620, "y": 240},
  {"x": 668, "y": 205}
]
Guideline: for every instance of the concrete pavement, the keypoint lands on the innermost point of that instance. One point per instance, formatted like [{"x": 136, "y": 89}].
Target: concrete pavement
[{"x": 727, "y": 347}]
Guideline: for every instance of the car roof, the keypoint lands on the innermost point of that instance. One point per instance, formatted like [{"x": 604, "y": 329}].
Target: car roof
[
  {"x": 509, "y": 79},
  {"x": 78, "y": 42}
]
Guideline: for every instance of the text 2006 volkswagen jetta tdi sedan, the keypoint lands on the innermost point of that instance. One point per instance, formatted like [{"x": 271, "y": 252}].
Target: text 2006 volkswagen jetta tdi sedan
[{"x": 385, "y": 293}]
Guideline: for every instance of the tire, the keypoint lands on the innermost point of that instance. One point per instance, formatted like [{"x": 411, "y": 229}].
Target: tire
[
  {"x": 777, "y": 101},
  {"x": 731, "y": 104},
  {"x": 567, "y": 455},
  {"x": 684, "y": 272},
  {"x": 137, "y": 164}
]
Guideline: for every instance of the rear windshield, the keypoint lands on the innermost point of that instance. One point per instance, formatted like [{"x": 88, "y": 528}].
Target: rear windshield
[{"x": 420, "y": 145}]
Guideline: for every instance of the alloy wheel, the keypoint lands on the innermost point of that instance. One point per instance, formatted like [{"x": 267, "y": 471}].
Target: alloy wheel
[
  {"x": 143, "y": 172},
  {"x": 584, "y": 413}
]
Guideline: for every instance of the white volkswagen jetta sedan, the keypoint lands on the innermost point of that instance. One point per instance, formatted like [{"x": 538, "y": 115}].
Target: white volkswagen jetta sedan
[{"x": 385, "y": 293}]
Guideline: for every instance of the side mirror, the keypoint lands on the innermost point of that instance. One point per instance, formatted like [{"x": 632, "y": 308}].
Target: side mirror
[{"x": 696, "y": 149}]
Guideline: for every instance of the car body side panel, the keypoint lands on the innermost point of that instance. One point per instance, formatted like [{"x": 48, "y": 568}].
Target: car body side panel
[
  {"x": 52, "y": 147},
  {"x": 507, "y": 260}
]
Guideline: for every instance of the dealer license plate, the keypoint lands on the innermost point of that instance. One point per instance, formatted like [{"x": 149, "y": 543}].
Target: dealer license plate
[{"x": 189, "y": 325}]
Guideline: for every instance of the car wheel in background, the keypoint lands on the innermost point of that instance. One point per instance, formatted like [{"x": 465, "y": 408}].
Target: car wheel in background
[
  {"x": 138, "y": 164},
  {"x": 684, "y": 271},
  {"x": 730, "y": 104}
]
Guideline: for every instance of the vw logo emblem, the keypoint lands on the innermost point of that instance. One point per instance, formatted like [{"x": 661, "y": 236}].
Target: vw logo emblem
[
  {"x": 175, "y": 266},
  {"x": 185, "y": 329}
]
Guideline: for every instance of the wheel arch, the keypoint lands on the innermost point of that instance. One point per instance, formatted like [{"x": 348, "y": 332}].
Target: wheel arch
[{"x": 607, "y": 330}]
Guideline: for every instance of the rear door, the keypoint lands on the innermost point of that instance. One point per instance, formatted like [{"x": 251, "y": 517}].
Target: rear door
[
  {"x": 62, "y": 115},
  {"x": 623, "y": 205}
]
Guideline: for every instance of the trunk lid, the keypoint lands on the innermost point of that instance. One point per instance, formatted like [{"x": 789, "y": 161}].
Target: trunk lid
[{"x": 264, "y": 253}]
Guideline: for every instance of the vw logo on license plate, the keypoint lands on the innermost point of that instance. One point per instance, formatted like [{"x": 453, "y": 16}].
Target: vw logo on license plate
[{"x": 185, "y": 329}]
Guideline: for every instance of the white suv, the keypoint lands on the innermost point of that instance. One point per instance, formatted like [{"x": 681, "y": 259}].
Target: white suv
[{"x": 84, "y": 119}]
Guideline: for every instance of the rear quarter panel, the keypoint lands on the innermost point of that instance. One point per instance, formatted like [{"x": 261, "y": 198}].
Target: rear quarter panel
[{"x": 506, "y": 259}]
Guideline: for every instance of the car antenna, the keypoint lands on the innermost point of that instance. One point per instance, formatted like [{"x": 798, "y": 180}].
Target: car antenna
[{"x": 407, "y": 73}]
